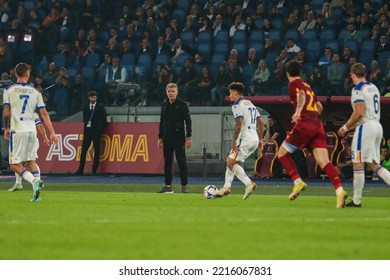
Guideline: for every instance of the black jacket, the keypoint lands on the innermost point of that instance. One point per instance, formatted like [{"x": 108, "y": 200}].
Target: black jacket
[
  {"x": 99, "y": 118},
  {"x": 175, "y": 119}
]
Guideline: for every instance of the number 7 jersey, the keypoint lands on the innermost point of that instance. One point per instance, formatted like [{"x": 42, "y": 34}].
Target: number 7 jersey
[{"x": 23, "y": 100}]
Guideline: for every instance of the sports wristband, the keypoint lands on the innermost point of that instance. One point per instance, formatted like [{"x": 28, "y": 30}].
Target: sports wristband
[{"x": 345, "y": 128}]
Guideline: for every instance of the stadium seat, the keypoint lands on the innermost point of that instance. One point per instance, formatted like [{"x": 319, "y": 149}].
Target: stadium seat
[
  {"x": 247, "y": 73},
  {"x": 346, "y": 143},
  {"x": 239, "y": 37},
  {"x": 326, "y": 35},
  {"x": 204, "y": 49},
  {"x": 162, "y": 59},
  {"x": 277, "y": 23},
  {"x": 222, "y": 36},
  {"x": 291, "y": 33},
  {"x": 354, "y": 46},
  {"x": 205, "y": 36},
  {"x": 218, "y": 58},
  {"x": 264, "y": 164},
  {"x": 314, "y": 48},
  {"x": 383, "y": 58},
  {"x": 256, "y": 36},
  {"x": 127, "y": 58},
  {"x": 242, "y": 51},
  {"x": 93, "y": 60},
  {"x": 276, "y": 36},
  {"x": 310, "y": 35},
  {"x": 222, "y": 48},
  {"x": 258, "y": 46},
  {"x": 60, "y": 60},
  {"x": 188, "y": 39},
  {"x": 180, "y": 15}
]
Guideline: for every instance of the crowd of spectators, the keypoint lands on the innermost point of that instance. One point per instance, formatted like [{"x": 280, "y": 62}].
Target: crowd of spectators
[{"x": 75, "y": 46}]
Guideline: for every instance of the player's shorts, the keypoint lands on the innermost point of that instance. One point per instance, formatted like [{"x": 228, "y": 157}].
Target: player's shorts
[
  {"x": 23, "y": 147},
  {"x": 308, "y": 135},
  {"x": 366, "y": 143},
  {"x": 245, "y": 149}
]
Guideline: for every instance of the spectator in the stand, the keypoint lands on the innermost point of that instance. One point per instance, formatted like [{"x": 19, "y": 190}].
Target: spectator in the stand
[
  {"x": 162, "y": 77},
  {"x": 5, "y": 56},
  {"x": 211, "y": 13},
  {"x": 353, "y": 34},
  {"x": 122, "y": 28},
  {"x": 233, "y": 71},
  {"x": 66, "y": 23},
  {"x": 251, "y": 58},
  {"x": 317, "y": 82},
  {"x": 267, "y": 26},
  {"x": 153, "y": 27},
  {"x": 77, "y": 95},
  {"x": 112, "y": 47},
  {"x": 51, "y": 73},
  {"x": 91, "y": 49},
  {"x": 177, "y": 50},
  {"x": 348, "y": 83},
  {"x": 203, "y": 87},
  {"x": 275, "y": 131},
  {"x": 62, "y": 72},
  {"x": 50, "y": 29},
  {"x": 249, "y": 25},
  {"x": 189, "y": 25},
  {"x": 219, "y": 91},
  {"x": 125, "y": 47},
  {"x": 282, "y": 57},
  {"x": 260, "y": 78},
  {"x": 385, "y": 157},
  {"x": 218, "y": 25},
  {"x": 161, "y": 47},
  {"x": 260, "y": 12},
  {"x": 336, "y": 74},
  {"x": 169, "y": 37},
  {"x": 206, "y": 25},
  {"x": 237, "y": 25},
  {"x": 291, "y": 46},
  {"x": 383, "y": 46},
  {"x": 88, "y": 10},
  {"x": 132, "y": 36},
  {"x": 187, "y": 80},
  {"x": 115, "y": 75},
  {"x": 269, "y": 46},
  {"x": 291, "y": 22},
  {"x": 346, "y": 55},
  {"x": 309, "y": 23},
  {"x": 277, "y": 79},
  {"x": 327, "y": 58},
  {"x": 326, "y": 11},
  {"x": 35, "y": 21},
  {"x": 375, "y": 74},
  {"x": 144, "y": 48},
  {"x": 364, "y": 22},
  {"x": 61, "y": 97}
]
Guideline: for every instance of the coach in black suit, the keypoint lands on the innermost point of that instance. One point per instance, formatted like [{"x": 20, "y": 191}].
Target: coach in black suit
[
  {"x": 95, "y": 120},
  {"x": 383, "y": 46}
]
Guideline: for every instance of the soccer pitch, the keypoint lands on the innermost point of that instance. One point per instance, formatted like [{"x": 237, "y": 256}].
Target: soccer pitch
[{"x": 131, "y": 222}]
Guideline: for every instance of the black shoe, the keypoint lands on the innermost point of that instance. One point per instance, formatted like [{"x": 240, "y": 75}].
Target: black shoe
[
  {"x": 352, "y": 204},
  {"x": 79, "y": 172},
  {"x": 166, "y": 189},
  {"x": 184, "y": 189}
]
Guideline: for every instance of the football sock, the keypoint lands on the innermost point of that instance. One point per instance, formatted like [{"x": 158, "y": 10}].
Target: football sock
[
  {"x": 18, "y": 178},
  {"x": 240, "y": 173},
  {"x": 333, "y": 175},
  {"x": 384, "y": 174},
  {"x": 27, "y": 176},
  {"x": 358, "y": 184},
  {"x": 229, "y": 176},
  {"x": 291, "y": 168}
]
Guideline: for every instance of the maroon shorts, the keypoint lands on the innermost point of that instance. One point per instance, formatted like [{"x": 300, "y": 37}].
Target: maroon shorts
[{"x": 308, "y": 135}]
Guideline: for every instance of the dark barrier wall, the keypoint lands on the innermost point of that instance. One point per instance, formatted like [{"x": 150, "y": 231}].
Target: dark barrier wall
[
  {"x": 125, "y": 148},
  {"x": 337, "y": 110}
]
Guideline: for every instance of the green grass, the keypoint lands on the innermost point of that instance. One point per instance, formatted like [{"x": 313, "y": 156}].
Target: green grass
[{"x": 133, "y": 222}]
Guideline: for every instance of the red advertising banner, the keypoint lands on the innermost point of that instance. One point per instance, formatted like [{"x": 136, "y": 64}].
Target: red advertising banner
[{"x": 125, "y": 148}]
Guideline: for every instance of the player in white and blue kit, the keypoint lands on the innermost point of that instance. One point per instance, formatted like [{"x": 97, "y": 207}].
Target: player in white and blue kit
[
  {"x": 20, "y": 102},
  {"x": 367, "y": 138},
  {"x": 247, "y": 137}
]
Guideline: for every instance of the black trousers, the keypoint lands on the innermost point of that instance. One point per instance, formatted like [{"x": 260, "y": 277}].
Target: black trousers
[
  {"x": 89, "y": 137},
  {"x": 175, "y": 144}
]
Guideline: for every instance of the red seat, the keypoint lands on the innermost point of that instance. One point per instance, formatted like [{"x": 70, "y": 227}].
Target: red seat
[{"x": 264, "y": 164}]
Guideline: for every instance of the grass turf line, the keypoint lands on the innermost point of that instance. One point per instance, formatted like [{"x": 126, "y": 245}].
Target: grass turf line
[{"x": 133, "y": 222}]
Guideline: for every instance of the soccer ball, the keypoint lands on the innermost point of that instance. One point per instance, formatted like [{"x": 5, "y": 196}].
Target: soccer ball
[{"x": 209, "y": 191}]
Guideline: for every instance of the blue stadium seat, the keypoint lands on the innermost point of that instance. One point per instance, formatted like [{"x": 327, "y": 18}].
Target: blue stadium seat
[
  {"x": 218, "y": 58},
  {"x": 242, "y": 51},
  {"x": 309, "y": 36},
  {"x": 239, "y": 37},
  {"x": 314, "y": 48},
  {"x": 162, "y": 59},
  {"x": 221, "y": 48},
  {"x": 332, "y": 44},
  {"x": 222, "y": 36},
  {"x": 327, "y": 35},
  {"x": 205, "y": 36},
  {"x": 93, "y": 60},
  {"x": 188, "y": 39},
  {"x": 276, "y": 36},
  {"x": 258, "y": 46},
  {"x": 127, "y": 58},
  {"x": 180, "y": 15},
  {"x": 354, "y": 46},
  {"x": 257, "y": 36},
  {"x": 60, "y": 60},
  {"x": 204, "y": 48},
  {"x": 277, "y": 23},
  {"x": 291, "y": 33},
  {"x": 382, "y": 59}
]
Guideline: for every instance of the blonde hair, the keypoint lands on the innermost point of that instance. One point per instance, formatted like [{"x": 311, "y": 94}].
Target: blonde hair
[{"x": 171, "y": 85}]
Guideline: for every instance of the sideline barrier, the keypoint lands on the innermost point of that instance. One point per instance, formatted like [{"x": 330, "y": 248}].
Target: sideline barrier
[{"x": 125, "y": 148}]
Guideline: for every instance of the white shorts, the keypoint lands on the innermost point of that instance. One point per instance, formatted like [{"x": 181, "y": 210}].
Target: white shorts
[
  {"x": 23, "y": 146},
  {"x": 366, "y": 143},
  {"x": 245, "y": 149}
]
